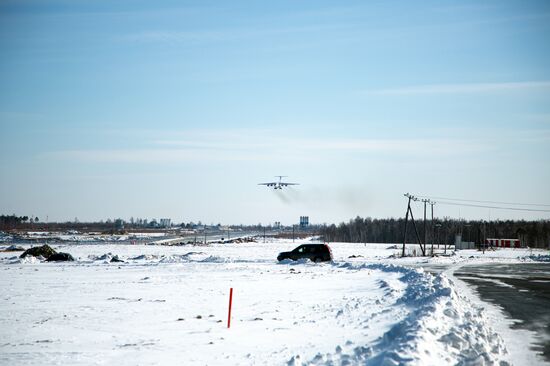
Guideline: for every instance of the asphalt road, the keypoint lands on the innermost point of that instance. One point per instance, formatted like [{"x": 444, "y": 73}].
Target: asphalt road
[{"x": 521, "y": 290}]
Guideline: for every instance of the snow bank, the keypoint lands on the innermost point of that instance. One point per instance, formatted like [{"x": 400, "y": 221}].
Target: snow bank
[
  {"x": 5, "y": 237},
  {"x": 184, "y": 258},
  {"x": 439, "y": 327},
  {"x": 26, "y": 260}
]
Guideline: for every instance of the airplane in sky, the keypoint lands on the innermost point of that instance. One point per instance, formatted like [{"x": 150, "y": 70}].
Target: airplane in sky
[{"x": 279, "y": 184}]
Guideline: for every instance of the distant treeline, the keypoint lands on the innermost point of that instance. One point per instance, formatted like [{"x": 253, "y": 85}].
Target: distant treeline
[
  {"x": 12, "y": 221},
  {"x": 534, "y": 234}
]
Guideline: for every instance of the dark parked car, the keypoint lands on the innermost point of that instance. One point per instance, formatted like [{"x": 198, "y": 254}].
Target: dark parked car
[{"x": 315, "y": 252}]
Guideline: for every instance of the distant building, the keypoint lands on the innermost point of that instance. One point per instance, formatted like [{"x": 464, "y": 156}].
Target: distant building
[
  {"x": 119, "y": 224},
  {"x": 304, "y": 221},
  {"x": 503, "y": 243},
  {"x": 459, "y": 244},
  {"x": 165, "y": 222},
  {"x": 277, "y": 225}
]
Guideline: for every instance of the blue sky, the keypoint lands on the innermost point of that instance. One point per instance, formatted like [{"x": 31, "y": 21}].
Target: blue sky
[{"x": 177, "y": 109}]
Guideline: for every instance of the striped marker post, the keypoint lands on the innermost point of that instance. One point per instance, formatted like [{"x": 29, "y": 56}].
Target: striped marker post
[{"x": 230, "y": 303}]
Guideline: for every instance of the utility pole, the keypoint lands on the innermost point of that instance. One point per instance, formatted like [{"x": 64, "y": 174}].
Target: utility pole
[
  {"x": 293, "y": 233},
  {"x": 484, "y": 239},
  {"x": 204, "y": 234},
  {"x": 264, "y": 234},
  {"x": 409, "y": 211},
  {"x": 446, "y": 235},
  {"x": 432, "y": 227},
  {"x": 438, "y": 226},
  {"x": 425, "y": 201},
  {"x": 406, "y": 222}
]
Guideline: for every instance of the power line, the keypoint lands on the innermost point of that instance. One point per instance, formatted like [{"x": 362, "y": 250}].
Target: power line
[
  {"x": 495, "y": 207},
  {"x": 495, "y": 202}
]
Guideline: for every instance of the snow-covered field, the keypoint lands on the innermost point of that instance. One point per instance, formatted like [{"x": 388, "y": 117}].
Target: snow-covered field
[
  {"x": 168, "y": 305},
  {"x": 73, "y": 236}
]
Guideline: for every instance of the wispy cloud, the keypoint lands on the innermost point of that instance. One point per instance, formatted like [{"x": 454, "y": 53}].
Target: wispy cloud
[
  {"x": 262, "y": 147},
  {"x": 218, "y": 35},
  {"x": 538, "y": 117},
  {"x": 150, "y": 156},
  {"x": 272, "y": 141},
  {"x": 470, "y": 88}
]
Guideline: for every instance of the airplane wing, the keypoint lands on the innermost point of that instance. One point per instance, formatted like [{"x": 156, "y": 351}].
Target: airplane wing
[
  {"x": 270, "y": 184},
  {"x": 290, "y": 184}
]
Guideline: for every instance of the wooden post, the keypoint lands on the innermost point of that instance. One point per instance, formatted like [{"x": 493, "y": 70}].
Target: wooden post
[
  {"x": 422, "y": 248},
  {"x": 406, "y": 222},
  {"x": 425, "y": 229},
  {"x": 432, "y": 227}
]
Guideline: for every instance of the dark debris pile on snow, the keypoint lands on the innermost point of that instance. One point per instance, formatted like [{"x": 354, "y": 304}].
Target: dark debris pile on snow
[{"x": 539, "y": 258}]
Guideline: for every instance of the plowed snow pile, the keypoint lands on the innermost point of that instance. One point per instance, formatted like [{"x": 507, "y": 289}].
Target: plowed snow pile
[{"x": 168, "y": 305}]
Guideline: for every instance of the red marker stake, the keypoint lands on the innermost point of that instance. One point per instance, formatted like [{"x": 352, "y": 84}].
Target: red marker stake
[{"x": 230, "y": 303}]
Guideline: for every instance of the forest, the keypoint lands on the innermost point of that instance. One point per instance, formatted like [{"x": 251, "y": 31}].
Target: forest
[
  {"x": 12, "y": 221},
  {"x": 535, "y": 234}
]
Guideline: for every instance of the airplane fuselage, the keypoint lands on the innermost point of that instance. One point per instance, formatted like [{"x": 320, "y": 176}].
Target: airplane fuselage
[{"x": 278, "y": 184}]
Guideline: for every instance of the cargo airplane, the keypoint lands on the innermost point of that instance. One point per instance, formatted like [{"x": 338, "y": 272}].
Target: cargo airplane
[{"x": 280, "y": 184}]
